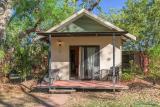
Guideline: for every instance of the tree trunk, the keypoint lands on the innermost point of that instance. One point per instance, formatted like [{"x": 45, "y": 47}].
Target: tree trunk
[
  {"x": 144, "y": 62},
  {"x": 4, "y": 16}
]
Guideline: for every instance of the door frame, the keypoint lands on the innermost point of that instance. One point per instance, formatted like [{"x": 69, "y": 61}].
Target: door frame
[
  {"x": 70, "y": 61},
  {"x": 97, "y": 46}
]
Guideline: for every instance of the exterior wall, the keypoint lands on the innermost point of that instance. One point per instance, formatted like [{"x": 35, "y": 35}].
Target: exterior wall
[{"x": 60, "y": 54}]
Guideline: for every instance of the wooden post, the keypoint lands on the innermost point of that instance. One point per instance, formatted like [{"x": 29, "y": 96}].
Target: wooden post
[
  {"x": 113, "y": 68},
  {"x": 49, "y": 62}
]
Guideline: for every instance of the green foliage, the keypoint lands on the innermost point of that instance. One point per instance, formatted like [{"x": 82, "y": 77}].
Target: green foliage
[
  {"x": 127, "y": 76},
  {"x": 90, "y": 4},
  {"x": 140, "y": 18},
  {"x": 28, "y": 17},
  {"x": 4, "y": 63},
  {"x": 23, "y": 61},
  {"x": 118, "y": 103},
  {"x": 28, "y": 56},
  {"x": 154, "y": 54},
  {"x": 1, "y": 54},
  {"x": 40, "y": 13},
  {"x": 135, "y": 68},
  {"x": 5, "y": 69}
]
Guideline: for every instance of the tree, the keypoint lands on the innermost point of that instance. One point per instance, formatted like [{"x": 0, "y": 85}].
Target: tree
[
  {"x": 5, "y": 14},
  {"x": 28, "y": 17},
  {"x": 19, "y": 50},
  {"x": 154, "y": 54},
  {"x": 140, "y": 18},
  {"x": 90, "y": 4}
]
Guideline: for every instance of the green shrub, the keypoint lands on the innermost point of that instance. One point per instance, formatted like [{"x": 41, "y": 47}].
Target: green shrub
[
  {"x": 128, "y": 71},
  {"x": 127, "y": 76},
  {"x": 1, "y": 54},
  {"x": 154, "y": 68},
  {"x": 135, "y": 68}
]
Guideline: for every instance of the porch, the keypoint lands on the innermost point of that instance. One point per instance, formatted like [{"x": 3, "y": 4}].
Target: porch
[
  {"x": 92, "y": 53},
  {"x": 84, "y": 84}
]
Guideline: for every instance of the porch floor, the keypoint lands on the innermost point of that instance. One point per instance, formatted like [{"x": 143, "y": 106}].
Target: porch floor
[{"x": 78, "y": 84}]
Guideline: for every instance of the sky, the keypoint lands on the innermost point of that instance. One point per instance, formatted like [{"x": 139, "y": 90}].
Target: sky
[{"x": 111, "y": 4}]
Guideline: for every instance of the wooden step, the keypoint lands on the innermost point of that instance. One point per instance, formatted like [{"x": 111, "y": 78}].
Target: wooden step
[{"x": 61, "y": 91}]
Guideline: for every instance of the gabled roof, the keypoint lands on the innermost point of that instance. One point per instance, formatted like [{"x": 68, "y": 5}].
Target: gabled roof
[{"x": 92, "y": 16}]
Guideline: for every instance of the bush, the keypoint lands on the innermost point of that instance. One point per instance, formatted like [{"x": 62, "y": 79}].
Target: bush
[
  {"x": 135, "y": 68},
  {"x": 127, "y": 76},
  {"x": 154, "y": 54},
  {"x": 1, "y": 54},
  {"x": 128, "y": 71}
]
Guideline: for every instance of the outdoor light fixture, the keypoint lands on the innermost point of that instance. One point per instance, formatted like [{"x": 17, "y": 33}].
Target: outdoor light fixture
[{"x": 59, "y": 43}]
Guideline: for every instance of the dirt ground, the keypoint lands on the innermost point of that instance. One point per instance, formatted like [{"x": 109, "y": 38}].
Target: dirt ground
[{"x": 141, "y": 94}]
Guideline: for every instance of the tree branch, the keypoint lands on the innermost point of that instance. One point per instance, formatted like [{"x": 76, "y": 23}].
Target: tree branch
[
  {"x": 93, "y": 5},
  {"x": 28, "y": 31}
]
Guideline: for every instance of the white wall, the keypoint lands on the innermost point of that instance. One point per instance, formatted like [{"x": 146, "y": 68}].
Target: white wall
[{"x": 60, "y": 54}]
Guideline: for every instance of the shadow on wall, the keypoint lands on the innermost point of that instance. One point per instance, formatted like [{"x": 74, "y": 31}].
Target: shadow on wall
[
  {"x": 106, "y": 54},
  {"x": 58, "y": 73},
  {"x": 107, "y": 74}
]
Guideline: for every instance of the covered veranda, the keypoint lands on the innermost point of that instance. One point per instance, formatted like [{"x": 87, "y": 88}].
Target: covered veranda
[{"x": 83, "y": 84}]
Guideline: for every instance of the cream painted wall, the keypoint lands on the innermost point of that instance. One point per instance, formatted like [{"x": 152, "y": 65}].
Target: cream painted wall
[{"x": 60, "y": 54}]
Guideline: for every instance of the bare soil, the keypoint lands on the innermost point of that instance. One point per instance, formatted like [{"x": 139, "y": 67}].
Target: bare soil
[{"x": 141, "y": 94}]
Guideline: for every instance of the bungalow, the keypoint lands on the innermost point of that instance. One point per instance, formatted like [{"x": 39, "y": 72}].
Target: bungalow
[{"x": 85, "y": 47}]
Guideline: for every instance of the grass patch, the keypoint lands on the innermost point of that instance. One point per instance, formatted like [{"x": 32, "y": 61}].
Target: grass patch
[
  {"x": 116, "y": 103},
  {"x": 142, "y": 98},
  {"x": 146, "y": 104}
]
